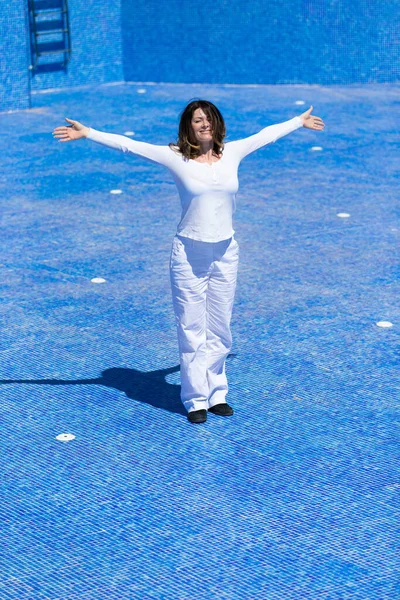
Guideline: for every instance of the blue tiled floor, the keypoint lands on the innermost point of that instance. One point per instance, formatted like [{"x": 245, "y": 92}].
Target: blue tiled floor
[{"x": 296, "y": 496}]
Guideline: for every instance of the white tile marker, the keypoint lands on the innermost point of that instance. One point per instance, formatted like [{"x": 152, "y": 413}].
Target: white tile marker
[
  {"x": 65, "y": 437},
  {"x": 385, "y": 324}
]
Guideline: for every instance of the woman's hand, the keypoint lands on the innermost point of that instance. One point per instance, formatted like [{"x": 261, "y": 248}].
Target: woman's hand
[
  {"x": 68, "y": 133},
  {"x": 312, "y": 122}
]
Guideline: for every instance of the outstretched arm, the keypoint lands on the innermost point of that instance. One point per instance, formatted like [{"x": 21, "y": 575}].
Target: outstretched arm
[
  {"x": 75, "y": 131},
  {"x": 273, "y": 133}
]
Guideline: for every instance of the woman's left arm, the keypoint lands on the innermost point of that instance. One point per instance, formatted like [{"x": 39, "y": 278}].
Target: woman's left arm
[{"x": 273, "y": 133}]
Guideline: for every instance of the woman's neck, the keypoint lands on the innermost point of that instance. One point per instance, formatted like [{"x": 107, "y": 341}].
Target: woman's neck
[{"x": 207, "y": 152}]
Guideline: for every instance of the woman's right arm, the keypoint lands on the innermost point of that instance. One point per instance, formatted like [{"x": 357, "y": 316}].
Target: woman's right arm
[{"x": 156, "y": 154}]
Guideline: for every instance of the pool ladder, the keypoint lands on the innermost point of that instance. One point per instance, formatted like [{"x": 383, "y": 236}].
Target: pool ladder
[{"x": 50, "y": 35}]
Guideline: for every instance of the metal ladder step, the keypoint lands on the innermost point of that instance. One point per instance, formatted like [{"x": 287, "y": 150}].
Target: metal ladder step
[
  {"x": 51, "y": 48},
  {"x": 47, "y": 27},
  {"x": 50, "y": 10},
  {"x": 42, "y": 5}
]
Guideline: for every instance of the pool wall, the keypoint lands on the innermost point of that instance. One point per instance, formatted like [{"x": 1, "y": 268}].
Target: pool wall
[{"x": 319, "y": 42}]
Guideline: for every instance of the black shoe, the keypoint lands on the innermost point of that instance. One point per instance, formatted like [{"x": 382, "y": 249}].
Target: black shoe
[
  {"x": 224, "y": 410},
  {"x": 197, "y": 416}
]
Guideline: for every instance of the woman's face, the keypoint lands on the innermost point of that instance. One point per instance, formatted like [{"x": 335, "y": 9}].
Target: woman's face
[{"x": 201, "y": 126}]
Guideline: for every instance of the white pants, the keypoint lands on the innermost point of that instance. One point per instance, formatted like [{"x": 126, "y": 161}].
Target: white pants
[{"x": 203, "y": 282}]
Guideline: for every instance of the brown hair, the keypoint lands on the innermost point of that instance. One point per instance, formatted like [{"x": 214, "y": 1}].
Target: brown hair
[{"x": 186, "y": 143}]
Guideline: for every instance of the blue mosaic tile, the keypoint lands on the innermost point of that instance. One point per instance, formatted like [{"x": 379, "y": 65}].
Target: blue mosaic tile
[
  {"x": 14, "y": 48},
  {"x": 315, "y": 42},
  {"x": 236, "y": 43},
  {"x": 296, "y": 496}
]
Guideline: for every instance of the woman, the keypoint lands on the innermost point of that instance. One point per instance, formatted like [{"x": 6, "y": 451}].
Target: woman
[{"x": 204, "y": 256}]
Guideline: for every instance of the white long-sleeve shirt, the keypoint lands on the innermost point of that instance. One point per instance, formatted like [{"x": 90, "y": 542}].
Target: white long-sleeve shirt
[{"x": 207, "y": 191}]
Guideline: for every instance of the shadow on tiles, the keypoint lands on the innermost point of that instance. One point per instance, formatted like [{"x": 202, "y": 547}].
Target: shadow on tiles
[{"x": 149, "y": 387}]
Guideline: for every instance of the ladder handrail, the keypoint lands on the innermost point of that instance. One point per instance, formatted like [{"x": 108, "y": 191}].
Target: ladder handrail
[
  {"x": 31, "y": 11},
  {"x": 68, "y": 30}
]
